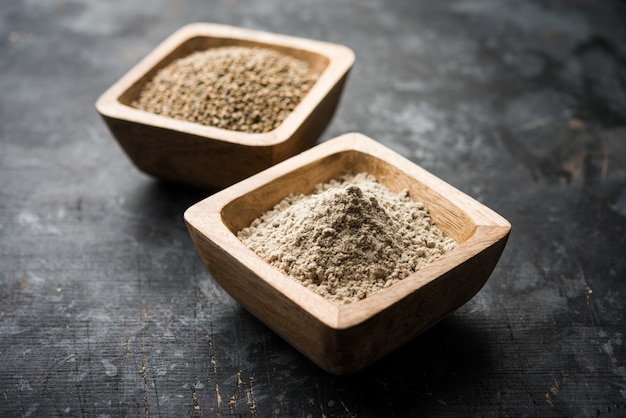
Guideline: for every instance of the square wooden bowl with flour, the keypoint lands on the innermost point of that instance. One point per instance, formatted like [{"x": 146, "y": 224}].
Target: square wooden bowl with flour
[{"x": 339, "y": 330}]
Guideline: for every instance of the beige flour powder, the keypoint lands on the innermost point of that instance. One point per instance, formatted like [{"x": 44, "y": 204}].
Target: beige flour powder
[{"x": 348, "y": 239}]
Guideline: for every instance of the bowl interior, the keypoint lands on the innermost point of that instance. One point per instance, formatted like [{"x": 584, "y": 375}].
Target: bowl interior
[
  {"x": 317, "y": 62},
  {"x": 241, "y": 211}
]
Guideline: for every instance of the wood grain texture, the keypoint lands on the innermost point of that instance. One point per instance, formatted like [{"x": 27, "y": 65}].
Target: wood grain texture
[
  {"x": 210, "y": 157},
  {"x": 344, "y": 339}
]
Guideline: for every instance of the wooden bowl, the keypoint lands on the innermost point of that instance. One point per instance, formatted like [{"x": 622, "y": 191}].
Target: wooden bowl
[
  {"x": 343, "y": 339},
  {"x": 211, "y": 157}
]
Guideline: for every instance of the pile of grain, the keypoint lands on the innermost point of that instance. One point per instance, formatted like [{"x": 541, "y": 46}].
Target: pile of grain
[{"x": 237, "y": 88}]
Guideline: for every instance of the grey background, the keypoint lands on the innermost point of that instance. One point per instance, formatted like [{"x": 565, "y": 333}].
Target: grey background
[{"x": 106, "y": 309}]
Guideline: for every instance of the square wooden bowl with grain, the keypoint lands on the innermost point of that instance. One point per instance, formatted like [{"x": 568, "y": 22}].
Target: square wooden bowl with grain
[
  {"x": 344, "y": 338},
  {"x": 211, "y": 157}
]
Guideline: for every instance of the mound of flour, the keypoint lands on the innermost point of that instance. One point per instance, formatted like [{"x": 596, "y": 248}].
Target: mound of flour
[{"x": 348, "y": 239}]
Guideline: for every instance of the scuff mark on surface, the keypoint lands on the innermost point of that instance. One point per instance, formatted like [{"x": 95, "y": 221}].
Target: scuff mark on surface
[
  {"x": 553, "y": 391},
  {"x": 251, "y": 400},
  {"x": 194, "y": 396},
  {"x": 109, "y": 368},
  {"x": 142, "y": 372},
  {"x": 218, "y": 397},
  {"x": 575, "y": 166}
]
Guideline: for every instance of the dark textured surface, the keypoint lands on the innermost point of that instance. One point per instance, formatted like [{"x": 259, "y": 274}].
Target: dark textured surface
[{"x": 106, "y": 309}]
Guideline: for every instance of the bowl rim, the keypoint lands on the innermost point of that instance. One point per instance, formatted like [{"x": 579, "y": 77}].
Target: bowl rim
[
  {"x": 340, "y": 61},
  {"x": 205, "y": 217}
]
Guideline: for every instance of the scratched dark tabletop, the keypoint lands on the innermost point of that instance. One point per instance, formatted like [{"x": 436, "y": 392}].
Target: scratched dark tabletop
[{"x": 106, "y": 309}]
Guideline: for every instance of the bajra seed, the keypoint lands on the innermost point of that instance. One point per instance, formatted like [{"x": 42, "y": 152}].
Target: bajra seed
[{"x": 237, "y": 88}]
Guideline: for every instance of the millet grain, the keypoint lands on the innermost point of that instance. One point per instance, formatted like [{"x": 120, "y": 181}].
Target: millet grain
[{"x": 233, "y": 87}]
